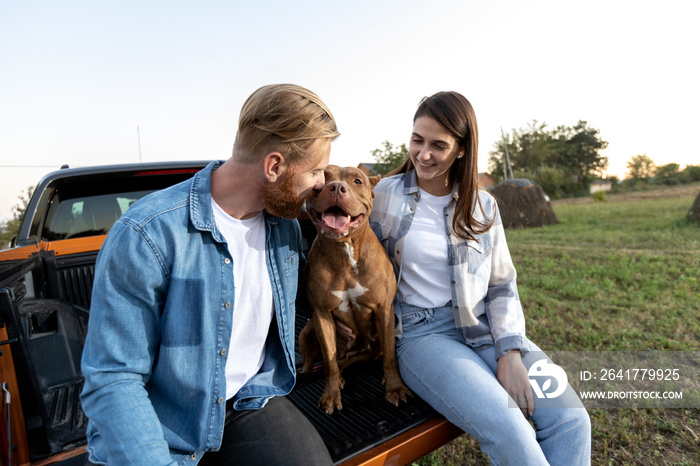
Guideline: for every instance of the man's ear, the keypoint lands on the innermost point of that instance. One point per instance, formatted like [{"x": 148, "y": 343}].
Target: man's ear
[{"x": 274, "y": 166}]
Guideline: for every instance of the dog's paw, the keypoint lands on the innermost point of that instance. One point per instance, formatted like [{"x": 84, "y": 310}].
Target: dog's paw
[
  {"x": 398, "y": 393},
  {"x": 330, "y": 401}
]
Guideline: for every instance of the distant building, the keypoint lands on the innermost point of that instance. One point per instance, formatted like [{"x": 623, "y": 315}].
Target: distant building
[
  {"x": 601, "y": 185},
  {"x": 486, "y": 180}
]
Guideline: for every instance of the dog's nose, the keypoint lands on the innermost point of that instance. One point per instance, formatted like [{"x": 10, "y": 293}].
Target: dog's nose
[{"x": 338, "y": 188}]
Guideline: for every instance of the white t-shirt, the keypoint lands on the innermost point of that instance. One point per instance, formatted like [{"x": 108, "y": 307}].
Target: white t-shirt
[
  {"x": 253, "y": 307},
  {"x": 425, "y": 275}
]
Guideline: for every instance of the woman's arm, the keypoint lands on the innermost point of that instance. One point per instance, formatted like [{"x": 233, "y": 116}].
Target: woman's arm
[
  {"x": 502, "y": 299},
  {"x": 508, "y": 321}
]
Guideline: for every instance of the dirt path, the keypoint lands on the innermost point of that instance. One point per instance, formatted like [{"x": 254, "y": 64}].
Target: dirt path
[{"x": 660, "y": 193}]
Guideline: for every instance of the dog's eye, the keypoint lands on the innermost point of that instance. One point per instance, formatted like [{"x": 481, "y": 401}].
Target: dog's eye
[{"x": 358, "y": 181}]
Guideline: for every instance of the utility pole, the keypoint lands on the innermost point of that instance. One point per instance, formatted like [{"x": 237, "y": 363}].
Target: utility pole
[
  {"x": 506, "y": 164},
  {"x": 138, "y": 136}
]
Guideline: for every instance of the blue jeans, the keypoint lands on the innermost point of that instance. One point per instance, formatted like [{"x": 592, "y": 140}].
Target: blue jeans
[{"x": 460, "y": 383}]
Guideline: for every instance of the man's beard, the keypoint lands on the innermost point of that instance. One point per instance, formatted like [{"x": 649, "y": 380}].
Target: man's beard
[{"x": 283, "y": 200}]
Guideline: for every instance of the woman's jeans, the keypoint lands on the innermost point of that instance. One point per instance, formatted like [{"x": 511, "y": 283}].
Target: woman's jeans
[{"x": 460, "y": 383}]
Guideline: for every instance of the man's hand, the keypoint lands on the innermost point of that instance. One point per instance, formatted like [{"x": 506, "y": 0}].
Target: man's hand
[
  {"x": 344, "y": 338},
  {"x": 512, "y": 375}
]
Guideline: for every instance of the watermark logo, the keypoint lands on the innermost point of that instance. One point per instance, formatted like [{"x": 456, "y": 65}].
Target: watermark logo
[{"x": 544, "y": 369}]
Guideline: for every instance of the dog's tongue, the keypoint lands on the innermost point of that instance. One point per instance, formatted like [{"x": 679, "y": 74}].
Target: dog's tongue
[{"x": 336, "y": 220}]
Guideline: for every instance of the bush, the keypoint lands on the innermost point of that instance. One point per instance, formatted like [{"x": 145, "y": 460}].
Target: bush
[{"x": 599, "y": 196}]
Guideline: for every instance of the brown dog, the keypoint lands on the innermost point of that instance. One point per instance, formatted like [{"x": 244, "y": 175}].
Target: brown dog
[{"x": 349, "y": 279}]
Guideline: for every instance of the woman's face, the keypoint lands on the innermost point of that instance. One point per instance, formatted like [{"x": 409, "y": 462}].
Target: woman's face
[{"x": 433, "y": 150}]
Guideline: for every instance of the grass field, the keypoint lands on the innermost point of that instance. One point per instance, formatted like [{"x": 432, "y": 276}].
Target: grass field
[{"x": 612, "y": 276}]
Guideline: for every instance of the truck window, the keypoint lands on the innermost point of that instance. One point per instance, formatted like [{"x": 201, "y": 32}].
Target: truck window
[
  {"x": 90, "y": 206},
  {"x": 87, "y": 216}
]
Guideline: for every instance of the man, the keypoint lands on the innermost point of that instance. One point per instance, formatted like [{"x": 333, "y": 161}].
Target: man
[{"x": 190, "y": 348}]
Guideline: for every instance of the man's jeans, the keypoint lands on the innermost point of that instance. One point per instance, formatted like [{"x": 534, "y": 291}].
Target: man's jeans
[
  {"x": 274, "y": 435},
  {"x": 460, "y": 382},
  {"x": 277, "y": 434}
]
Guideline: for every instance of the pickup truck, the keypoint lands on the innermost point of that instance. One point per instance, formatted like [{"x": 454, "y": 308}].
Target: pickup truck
[{"x": 45, "y": 289}]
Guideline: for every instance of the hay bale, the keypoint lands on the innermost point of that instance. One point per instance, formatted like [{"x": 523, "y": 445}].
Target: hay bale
[
  {"x": 523, "y": 204},
  {"x": 694, "y": 212}
]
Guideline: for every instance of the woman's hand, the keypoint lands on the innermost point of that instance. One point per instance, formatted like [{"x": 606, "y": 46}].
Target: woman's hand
[{"x": 512, "y": 375}]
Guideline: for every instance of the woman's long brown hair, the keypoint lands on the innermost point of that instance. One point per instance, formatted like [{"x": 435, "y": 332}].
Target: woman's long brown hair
[{"x": 454, "y": 112}]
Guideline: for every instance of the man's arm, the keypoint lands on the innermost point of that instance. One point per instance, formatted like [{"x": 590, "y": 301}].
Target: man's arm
[{"x": 120, "y": 349}]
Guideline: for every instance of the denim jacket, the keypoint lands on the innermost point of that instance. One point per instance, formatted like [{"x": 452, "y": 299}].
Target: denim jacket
[
  {"x": 160, "y": 326},
  {"x": 484, "y": 293}
]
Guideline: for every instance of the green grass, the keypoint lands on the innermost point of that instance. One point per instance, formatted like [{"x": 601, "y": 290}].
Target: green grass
[
  {"x": 612, "y": 276},
  {"x": 622, "y": 276}
]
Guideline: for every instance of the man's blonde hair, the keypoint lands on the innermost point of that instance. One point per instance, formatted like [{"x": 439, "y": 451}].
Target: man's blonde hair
[{"x": 283, "y": 118}]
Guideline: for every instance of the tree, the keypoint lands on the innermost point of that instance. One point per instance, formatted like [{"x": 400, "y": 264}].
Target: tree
[
  {"x": 5, "y": 235},
  {"x": 528, "y": 149},
  {"x": 10, "y": 229},
  {"x": 533, "y": 147},
  {"x": 389, "y": 158},
  {"x": 640, "y": 167},
  {"x": 566, "y": 159},
  {"x": 691, "y": 173},
  {"x": 668, "y": 171},
  {"x": 578, "y": 150}
]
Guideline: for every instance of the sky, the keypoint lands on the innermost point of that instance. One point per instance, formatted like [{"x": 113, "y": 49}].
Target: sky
[{"x": 101, "y": 82}]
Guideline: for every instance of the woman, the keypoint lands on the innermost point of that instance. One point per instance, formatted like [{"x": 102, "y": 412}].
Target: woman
[{"x": 461, "y": 342}]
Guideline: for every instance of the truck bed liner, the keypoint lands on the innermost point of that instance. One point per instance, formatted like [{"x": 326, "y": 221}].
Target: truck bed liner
[
  {"x": 67, "y": 421},
  {"x": 366, "y": 419}
]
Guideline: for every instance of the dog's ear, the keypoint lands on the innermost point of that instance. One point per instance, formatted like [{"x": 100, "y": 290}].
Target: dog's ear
[{"x": 374, "y": 180}]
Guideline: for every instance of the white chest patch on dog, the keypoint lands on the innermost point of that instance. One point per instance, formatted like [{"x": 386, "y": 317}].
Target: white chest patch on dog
[
  {"x": 350, "y": 251},
  {"x": 349, "y": 297}
]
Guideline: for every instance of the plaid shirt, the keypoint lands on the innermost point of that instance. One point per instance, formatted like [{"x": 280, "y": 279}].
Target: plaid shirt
[{"x": 484, "y": 293}]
